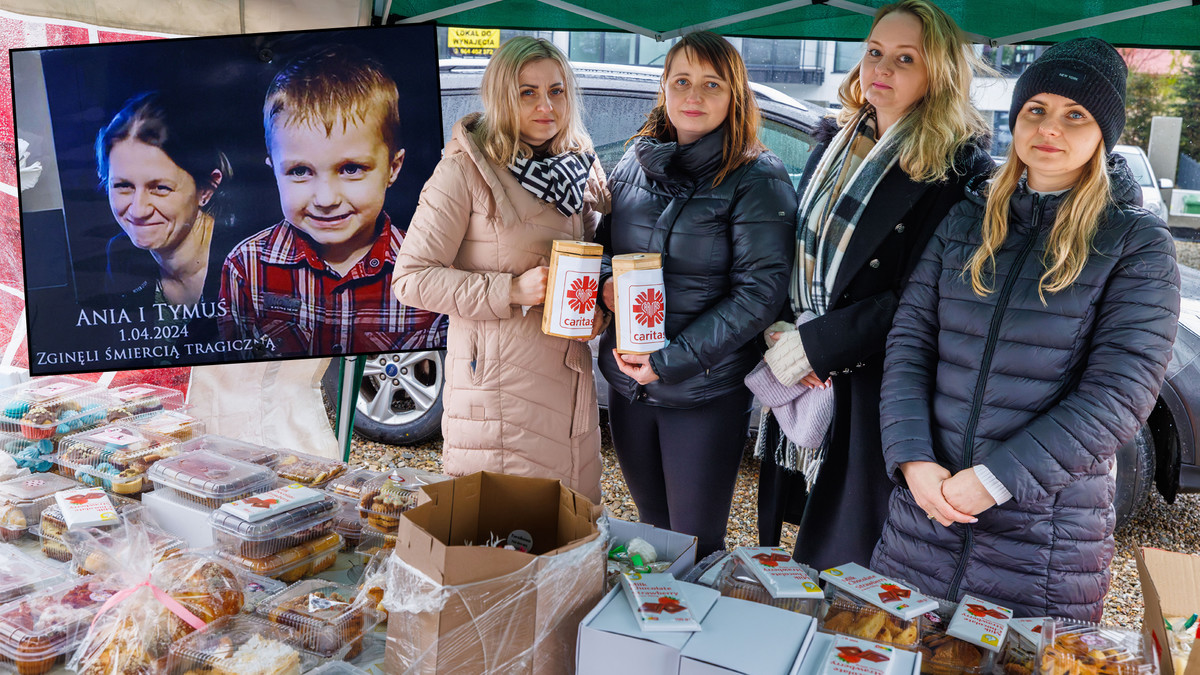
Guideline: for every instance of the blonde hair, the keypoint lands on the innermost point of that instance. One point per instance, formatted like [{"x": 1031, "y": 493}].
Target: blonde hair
[
  {"x": 498, "y": 132},
  {"x": 1075, "y": 224},
  {"x": 944, "y": 119},
  {"x": 338, "y": 83},
  {"x": 742, "y": 145}
]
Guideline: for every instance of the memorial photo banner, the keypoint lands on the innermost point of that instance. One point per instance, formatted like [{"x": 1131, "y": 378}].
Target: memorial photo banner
[{"x": 212, "y": 200}]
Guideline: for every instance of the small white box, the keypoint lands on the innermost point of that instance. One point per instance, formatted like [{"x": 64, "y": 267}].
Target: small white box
[
  {"x": 813, "y": 662},
  {"x": 670, "y": 545},
  {"x": 177, "y": 517},
  {"x": 609, "y": 634},
  {"x": 739, "y": 637}
]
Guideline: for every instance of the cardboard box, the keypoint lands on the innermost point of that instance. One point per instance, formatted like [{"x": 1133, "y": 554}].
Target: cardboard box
[
  {"x": 814, "y": 660},
  {"x": 739, "y": 637},
  {"x": 478, "y": 609},
  {"x": 681, "y": 548},
  {"x": 610, "y": 629},
  {"x": 1170, "y": 587}
]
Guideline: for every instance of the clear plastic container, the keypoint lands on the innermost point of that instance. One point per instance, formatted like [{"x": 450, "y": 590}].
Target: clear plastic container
[
  {"x": 942, "y": 654},
  {"x": 386, "y": 497},
  {"x": 210, "y": 479},
  {"x": 1022, "y": 650},
  {"x": 1079, "y": 648},
  {"x": 330, "y": 619},
  {"x": 89, "y": 558},
  {"x": 352, "y": 483},
  {"x": 21, "y": 574},
  {"x": 23, "y": 499},
  {"x": 347, "y": 522},
  {"x": 738, "y": 582},
  {"x": 42, "y": 629},
  {"x": 306, "y": 469},
  {"x": 337, "y": 668},
  {"x": 53, "y": 528},
  {"x": 239, "y": 644},
  {"x": 848, "y": 615},
  {"x": 271, "y": 535},
  {"x": 374, "y": 541},
  {"x": 28, "y": 453},
  {"x": 115, "y": 457},
  {"x": 177, "y": 424},
  {"x": 51, "y": 407},
  {"x": 294, "y": 563},
  {"x": 139, "y": 399},
  {"x": 234, "y": 449}
]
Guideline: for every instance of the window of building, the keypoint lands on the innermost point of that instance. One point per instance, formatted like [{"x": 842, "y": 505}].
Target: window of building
[
  {"x": 846, "y": 55},
  {"x": 1012, "y": 60}
]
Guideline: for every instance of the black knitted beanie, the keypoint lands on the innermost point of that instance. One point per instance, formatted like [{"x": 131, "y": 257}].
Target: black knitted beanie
[{"x": 1086, "y": 70}]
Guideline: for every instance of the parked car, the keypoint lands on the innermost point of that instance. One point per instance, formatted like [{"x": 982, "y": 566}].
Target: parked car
[
  {"x": 400, "y": 398},
  {"x": 1152, "y": 199}
]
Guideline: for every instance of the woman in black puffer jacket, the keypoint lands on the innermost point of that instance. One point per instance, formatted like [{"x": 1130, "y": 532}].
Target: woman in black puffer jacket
[
  {"x": 1025, "y": 352},
  {"x": 697, "y": 186}
]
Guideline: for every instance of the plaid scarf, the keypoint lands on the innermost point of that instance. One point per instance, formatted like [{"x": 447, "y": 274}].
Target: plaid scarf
[
  {"x": 841, "y": 193},
  {"x": 560, "y": 179}
]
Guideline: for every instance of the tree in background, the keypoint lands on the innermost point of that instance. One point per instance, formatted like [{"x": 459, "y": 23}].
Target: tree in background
[
  {"x": 1187, "y": 106},
  {"x": 1150, "y": 90}
]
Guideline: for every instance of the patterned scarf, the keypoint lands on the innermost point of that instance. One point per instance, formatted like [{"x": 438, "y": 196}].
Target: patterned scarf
[
  {"x": 560, "y": 179},
  {"x": 841, "y": 193}
]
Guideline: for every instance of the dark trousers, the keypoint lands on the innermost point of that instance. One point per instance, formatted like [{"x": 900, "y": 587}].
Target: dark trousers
[{"x": 681, "y": 465}]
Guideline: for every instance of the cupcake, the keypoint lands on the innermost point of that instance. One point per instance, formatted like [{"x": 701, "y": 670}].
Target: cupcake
[{"x": 37, "y": 423}]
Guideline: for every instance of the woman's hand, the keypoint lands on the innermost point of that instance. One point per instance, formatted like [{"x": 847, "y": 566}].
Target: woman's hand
[
  {"x": 636, "y": 366},
  {"x": 812, "y": 381},
  {"x": 530, "y": 288},
  {"x": 966, "y": 493},
  {"x": 925, "y": 480},
  {"x": 597, "y": 195},
  {"x": 609, "y": 295}
]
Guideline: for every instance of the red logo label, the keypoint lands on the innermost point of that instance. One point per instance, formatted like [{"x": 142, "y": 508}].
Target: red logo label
[
  {"x": 581, "y": 295},
  {"x": 980, "y": 610},
  {"x": 648, "y": 307},
  {"x": 83, "y": 498},
  {"x": 771, "y": 559},
  {"x": 893, "y": 593},
  {"x": 856, "y": 654}
]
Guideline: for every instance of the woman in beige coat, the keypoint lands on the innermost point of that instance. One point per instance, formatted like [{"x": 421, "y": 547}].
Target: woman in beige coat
[{"x": 511, "y": 181}]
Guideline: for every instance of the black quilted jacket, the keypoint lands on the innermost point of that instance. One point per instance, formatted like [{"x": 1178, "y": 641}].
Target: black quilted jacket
[
  {"x": 728, "y": 258},
  {"x": 1042, "y": 395}
]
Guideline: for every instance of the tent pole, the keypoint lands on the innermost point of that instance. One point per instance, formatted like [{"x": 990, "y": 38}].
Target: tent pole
[
  {"x": 439, "y": 13},
  {"x": 1091, "y": 22},
  {"x": 603, "y": 18}
]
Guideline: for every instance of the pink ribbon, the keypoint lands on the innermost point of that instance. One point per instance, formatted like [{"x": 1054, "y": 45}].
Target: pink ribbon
[{"x": 170, "y": 603}]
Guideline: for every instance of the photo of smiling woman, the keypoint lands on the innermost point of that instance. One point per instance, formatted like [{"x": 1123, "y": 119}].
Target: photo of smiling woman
[
  {"x": 697, "y": 186},
  {"x": 513, "y": 179},
  {"x": 163, "y": 183}
]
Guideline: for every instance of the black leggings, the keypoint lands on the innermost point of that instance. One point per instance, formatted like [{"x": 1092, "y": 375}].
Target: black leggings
[{"x": 681, "y": 466}]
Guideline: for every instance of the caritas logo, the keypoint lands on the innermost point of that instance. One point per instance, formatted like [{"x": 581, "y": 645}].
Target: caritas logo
[
  {"x": 649, "y": 308},
  {"x": 581, "y": 295}
]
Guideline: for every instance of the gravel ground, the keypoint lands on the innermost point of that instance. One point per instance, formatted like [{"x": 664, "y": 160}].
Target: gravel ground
[{"x": 1174, "y": 527}]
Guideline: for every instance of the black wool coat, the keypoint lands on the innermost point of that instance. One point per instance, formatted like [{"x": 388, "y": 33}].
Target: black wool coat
[
  {"x": 1042, "y": 394},
  {"x": 842, "y": 517}
]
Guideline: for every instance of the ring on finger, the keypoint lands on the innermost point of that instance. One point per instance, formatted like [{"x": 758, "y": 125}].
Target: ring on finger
[{"x": 930, "y": 516}]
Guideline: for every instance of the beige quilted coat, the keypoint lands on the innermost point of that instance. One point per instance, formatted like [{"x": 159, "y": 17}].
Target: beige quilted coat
[{"x": 516, "y": 401}]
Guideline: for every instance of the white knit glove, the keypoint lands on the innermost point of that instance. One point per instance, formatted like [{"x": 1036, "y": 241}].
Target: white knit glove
[{"x": 786, "y": 358}]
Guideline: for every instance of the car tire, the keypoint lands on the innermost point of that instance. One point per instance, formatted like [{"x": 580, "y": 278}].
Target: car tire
[
  {"x": 400, "y": 400},
  {"x": 1133, "y": 469}
]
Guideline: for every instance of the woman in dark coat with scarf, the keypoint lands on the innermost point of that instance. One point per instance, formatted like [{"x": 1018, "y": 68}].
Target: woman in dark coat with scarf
[
  {"x": 697, "y": 186},
  {"x": 1030, "y": 343},
  {"x": 872, "y": 194}
]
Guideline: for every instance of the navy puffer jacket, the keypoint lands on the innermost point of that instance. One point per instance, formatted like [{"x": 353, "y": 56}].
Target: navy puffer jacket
[
  {"x": 727, "y": 260},
  {"x": 1042, "y": 395}
]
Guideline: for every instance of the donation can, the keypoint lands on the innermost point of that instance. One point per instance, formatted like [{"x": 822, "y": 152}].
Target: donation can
[
  {"x": 641, "y": 303},
  {"x": 571, "y": 288}
]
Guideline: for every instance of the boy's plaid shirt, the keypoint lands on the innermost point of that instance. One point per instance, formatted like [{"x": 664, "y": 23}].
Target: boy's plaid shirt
[{"x": 280, "y": 292}]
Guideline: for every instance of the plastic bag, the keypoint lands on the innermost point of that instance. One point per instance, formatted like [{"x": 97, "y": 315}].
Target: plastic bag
[{"x": 161, "y": 600}]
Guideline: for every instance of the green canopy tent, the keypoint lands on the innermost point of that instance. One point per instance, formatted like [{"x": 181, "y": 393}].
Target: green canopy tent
[{"x": 1168, "y": 24}]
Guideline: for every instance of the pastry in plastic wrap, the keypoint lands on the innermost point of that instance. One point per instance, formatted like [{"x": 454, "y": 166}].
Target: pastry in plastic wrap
[
  {"x": 329, "y": 617},
  {"x": 1079, "y": 648},
  {"x": 312, "y": 557},
  {"x": 308, "y": 469},
  {"x": 852, "y": 617},
  {"x": 41, "y": 629},
  {"x": 159, "y": 603}
]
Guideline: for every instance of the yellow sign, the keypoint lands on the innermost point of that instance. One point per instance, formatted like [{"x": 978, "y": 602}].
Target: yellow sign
[{"x": 472, "y": 41}]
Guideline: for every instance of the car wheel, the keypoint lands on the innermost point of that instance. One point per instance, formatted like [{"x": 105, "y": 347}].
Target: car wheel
[
  {"x": 1133, "y": 469},
  {"x": 400, "y": 400}
]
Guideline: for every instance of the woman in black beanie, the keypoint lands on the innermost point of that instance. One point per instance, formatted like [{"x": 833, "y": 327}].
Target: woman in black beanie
[{"x": 1030, "y": 343}]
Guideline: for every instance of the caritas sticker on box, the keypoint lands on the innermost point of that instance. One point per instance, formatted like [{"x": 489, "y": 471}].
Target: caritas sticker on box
[
  {"x": 980, "y": 622},
  {"x": 572, "y": 289},
  {"x": 641, "y": 303},
  {"x": 879, "y": 590},
  {"x": 852, "y": 656}
]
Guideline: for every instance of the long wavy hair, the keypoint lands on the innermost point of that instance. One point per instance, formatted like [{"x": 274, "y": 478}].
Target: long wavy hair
[
  {"x": 741, "y": 124},
  {"x": 1070, "y": 240},
  {"x": 498, "y": 132},
  {"x": 944, "y": 119}
]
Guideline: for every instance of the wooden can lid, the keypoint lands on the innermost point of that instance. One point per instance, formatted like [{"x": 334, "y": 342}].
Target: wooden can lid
[
  {"x": 577, "y": 247},
  {"x": 636, "y": 261}
]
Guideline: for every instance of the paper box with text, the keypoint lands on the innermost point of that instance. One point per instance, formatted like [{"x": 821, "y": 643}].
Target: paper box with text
[{"x": 1170, "y": 588}]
